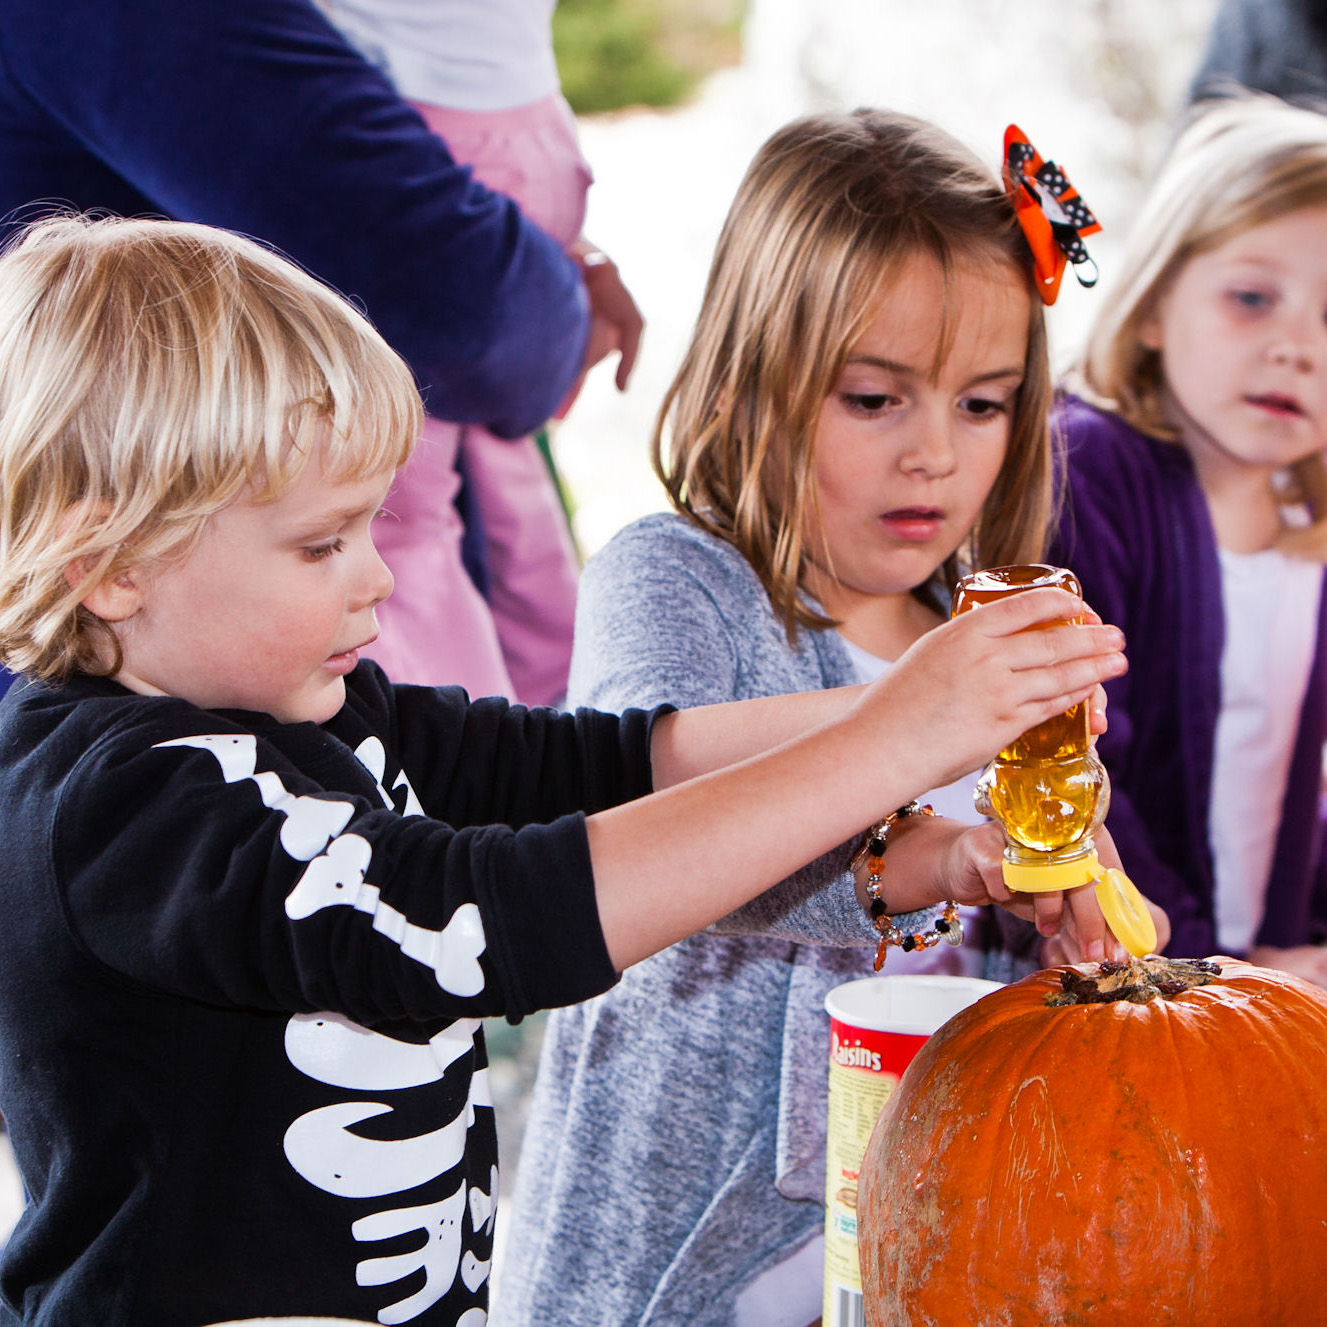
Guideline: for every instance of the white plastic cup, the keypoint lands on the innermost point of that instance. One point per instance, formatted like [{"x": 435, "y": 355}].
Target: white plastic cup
[{"x": 877, "y": 1024}]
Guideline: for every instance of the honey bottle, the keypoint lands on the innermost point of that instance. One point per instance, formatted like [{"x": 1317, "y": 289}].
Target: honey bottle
[{"x": 1049, "y": 790}]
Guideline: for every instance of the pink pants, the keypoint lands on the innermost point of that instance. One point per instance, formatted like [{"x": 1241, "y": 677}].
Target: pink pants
[{"x": 436, "y": 627}]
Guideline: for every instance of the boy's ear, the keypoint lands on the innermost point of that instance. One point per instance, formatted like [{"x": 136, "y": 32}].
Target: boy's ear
[{"x": 113, "y": 598}]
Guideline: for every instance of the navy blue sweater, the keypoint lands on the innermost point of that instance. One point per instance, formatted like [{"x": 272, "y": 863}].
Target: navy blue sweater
[{"x": 257, "y": 116}]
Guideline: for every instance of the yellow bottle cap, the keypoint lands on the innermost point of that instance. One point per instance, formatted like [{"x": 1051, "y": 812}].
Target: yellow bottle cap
[
  {"x": 1125, "y": 912},
  {"x": 1042, "y": 877},
  {"x": 1121, "y": 904}
]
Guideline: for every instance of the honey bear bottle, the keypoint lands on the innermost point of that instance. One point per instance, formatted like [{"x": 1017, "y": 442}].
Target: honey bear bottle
[{"x": 1049, "y": 790}]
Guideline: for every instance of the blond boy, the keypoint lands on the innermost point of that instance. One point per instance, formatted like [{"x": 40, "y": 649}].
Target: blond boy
[{"x": 257, "y": 897}]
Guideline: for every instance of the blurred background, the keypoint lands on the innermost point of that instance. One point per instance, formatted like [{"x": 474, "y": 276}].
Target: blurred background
[
  {"x": 674, "y": 96},
  {"x": 1095, "y": 84}
]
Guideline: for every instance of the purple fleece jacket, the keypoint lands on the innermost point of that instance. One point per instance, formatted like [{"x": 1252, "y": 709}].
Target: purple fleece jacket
[{"x": 1136, "y": 530}]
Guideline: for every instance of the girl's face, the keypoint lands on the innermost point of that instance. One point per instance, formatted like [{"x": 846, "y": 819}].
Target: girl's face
[
  {"x": 1242, "y": 331},
  {"x": 906, "y": 450}
]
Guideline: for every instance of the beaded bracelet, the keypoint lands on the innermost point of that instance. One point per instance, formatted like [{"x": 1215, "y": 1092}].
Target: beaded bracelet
[{"x": 947, "y": 926}]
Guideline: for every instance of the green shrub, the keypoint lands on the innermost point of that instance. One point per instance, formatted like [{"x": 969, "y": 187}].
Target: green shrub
[{"x": 616, "y": 53}]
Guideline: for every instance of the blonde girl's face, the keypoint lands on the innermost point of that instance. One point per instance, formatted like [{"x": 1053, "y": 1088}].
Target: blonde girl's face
[
  {"x": 1242, "y": 331},
  {"x": 905, "y": 451}
]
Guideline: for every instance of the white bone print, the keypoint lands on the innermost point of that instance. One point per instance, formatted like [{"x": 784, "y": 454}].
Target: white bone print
[
  {"x": 483, "y": 1206},
  {"x": 322, "y": 1145},
  {"x": 336, "y": 879},
  {"x": 332, "y": 1049},
  {"x": 439, "y": 1257},
  {"x": 373, "y": 756},
  {"x": 311, "y": 822}
]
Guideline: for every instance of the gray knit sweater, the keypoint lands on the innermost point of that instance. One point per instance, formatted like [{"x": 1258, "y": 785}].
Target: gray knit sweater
[{"x": 676, "y": 1146}]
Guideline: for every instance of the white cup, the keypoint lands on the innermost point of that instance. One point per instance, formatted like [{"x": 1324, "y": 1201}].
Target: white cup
[{"x": 877, "y": 1024}]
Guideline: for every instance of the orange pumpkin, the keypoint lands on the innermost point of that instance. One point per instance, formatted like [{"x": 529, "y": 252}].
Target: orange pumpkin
[{"x": 1146, "y": 1139}]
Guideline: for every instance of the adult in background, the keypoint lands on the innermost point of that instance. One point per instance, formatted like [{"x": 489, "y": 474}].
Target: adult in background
[
  {"x": 257, "y": 116},
  {"x": 482, "y": 73},
  {"x": 1277, "y": 46}
]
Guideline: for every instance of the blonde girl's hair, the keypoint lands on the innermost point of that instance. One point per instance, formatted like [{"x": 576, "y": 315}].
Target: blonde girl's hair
[
  {"x": 829, "y": 208},
  {"x": 1238, "y": 162},
  {"x": 151, "y": 371}
]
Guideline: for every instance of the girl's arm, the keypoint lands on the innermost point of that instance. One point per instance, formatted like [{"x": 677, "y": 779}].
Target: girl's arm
[
  {"x": 754, "y": 789},
  {"x": 1307, "y": 961},
  {"x": 668, "y": 614}
]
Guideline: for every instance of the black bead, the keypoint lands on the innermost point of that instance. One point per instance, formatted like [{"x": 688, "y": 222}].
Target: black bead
[
  {"x": 876, "y": 847},
  {"x": 908, "y": 944},
  {"x": 877, "y": 907},
  {"x": 942, "y": 926}
]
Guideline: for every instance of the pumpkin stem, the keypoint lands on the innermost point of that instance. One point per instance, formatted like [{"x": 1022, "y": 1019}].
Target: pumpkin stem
[{"x": 1138, "y": 981}]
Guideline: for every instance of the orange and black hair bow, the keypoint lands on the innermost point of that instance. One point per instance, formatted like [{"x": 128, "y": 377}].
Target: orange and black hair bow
[{"x": 1054, "y": 218}]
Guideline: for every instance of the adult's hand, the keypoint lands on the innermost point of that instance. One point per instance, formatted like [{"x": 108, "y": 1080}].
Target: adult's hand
[{"x": 615, "y": 321}]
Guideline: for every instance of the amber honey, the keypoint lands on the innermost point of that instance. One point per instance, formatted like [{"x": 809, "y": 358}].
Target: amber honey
[
  {"x": 1047, "y": 788},
  {"x": 1046, "y": 805},
  {"x": 1067, "y": 733}
]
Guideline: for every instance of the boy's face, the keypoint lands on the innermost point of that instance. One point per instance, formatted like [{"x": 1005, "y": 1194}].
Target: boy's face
[{"x": 270, "y": 610}]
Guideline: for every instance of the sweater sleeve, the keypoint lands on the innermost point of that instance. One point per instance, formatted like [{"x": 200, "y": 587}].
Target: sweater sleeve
[
  {"x": 195, "y": 858},
  {"x": 668, "y": 615},
  {"x": 1318, "y": 901},
  {"x": 256, "y": 116},
  {"x": 493, "y": 762}
]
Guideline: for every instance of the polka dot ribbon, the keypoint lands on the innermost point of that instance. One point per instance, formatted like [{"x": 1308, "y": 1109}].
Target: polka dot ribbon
[{"x": 1054, "y": 218}]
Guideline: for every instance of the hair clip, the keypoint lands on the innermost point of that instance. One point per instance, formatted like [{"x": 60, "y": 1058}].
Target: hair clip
[{"x": 1054, "y": 218}]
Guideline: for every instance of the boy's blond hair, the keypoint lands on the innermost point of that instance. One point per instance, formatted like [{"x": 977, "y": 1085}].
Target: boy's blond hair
[
  {"x": 1237, "y": 163},
  {"x": 831, "y": 206},
  {"x": 151, "y": 371}
]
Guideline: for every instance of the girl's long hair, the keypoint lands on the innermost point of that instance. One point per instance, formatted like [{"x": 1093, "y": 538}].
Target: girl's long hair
[{"x": 829, "y": 208}]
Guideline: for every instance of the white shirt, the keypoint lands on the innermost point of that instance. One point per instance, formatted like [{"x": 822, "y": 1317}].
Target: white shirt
[
  {"x": 469, "y": 55},
  {"x": 1270, "y": 603}
]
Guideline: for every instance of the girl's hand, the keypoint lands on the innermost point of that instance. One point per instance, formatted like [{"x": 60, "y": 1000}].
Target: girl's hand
[
  {"x": 1307, "y": 961},
  {"x": 968, "y": 688},
  {"x": 1064, "y": 945},
  {"x": 1069, "y": 918},
  {"x": 1096, "y": 712},
  {"x": 1096, "y": 705}
]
